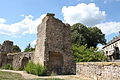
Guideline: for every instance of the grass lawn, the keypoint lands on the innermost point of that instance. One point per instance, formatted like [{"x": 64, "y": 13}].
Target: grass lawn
[{"x": 16, "y": 76}]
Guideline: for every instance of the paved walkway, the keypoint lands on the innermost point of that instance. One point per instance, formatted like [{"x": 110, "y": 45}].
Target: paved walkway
[{"x": 30, "y": 76}]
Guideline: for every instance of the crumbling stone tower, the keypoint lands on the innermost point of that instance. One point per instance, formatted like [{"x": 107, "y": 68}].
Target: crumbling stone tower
[
  {"x": 53, "y": 48},
  {"x": 6, "y": 47}
]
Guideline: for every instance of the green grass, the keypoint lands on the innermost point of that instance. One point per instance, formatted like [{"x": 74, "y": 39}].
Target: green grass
[
  {"x": 15, "y": 76},
  {"x": 10, "y": 76}
]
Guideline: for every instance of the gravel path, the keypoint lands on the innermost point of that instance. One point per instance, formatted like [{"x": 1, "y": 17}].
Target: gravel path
[{"x": 30, "y": 76}]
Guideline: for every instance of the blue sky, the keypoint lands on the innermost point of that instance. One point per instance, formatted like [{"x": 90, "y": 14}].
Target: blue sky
[{"x": 19, "y": 18}]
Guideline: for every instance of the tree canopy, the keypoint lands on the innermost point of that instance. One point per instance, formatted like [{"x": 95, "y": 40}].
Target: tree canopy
[
  {"x": 89, "y": 36},
  {"x": 84, "y": 42},
  {"x": 16, "y": 49}
]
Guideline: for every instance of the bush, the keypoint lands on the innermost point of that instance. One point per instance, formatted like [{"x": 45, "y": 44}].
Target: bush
[
  {"x": 35, "y": 69},
  {"x": 84, "y": 54},
  {"x": 7, "y": 66}
]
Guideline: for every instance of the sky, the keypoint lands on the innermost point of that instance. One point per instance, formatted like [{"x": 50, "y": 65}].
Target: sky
[{"x": 19, "y": 18}]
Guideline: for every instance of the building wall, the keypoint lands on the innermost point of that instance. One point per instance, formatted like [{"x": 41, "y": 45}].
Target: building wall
[
  {"x": 99, "y": 70},
  {"x": 110, "y": 49}
]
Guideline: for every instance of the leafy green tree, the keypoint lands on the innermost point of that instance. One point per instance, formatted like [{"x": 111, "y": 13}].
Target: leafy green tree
[
  {"x": 16, "y": 49},
  {"x": 79, "y": 34},
  {"x": 96, "y": 37},
  {"x": 83, "y": 54},
  {"x": 90, "y": 36},
  {"x": 29, "y": 48}
]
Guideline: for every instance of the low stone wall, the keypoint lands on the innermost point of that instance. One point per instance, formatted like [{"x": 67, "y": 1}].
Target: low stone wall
[
  {"x": 17, "y": 60},
  {"x": 99, "y": 70}
]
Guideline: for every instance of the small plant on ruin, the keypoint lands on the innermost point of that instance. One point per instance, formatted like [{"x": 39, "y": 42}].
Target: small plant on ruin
[
  {"x": 36, "y": 69},
  {"x": 7, "y": 66}
]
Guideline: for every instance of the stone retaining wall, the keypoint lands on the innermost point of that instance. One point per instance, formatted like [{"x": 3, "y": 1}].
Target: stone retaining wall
[{"x": 99, "y": 70}]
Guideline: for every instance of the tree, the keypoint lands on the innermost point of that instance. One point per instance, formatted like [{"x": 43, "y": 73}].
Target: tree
[
  {"x": 89, "y": 36},
  {"x": 83, "y": 54},
  {"x": 16, "y": 49},
  {"x": 79, "y": 34},
  {"x": 96, "y": 37},
  {"x": 29, "y": 48}
]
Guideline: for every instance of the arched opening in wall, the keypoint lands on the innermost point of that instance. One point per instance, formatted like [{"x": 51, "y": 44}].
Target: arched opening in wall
[
  {"x": 117, "y": 55},
  {"x": 24, "y": 62},
  {"x": 55, "y": 63}
]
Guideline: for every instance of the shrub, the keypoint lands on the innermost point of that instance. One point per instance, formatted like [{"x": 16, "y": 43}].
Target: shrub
[
  {"x": 7, "y": 66},
  {"x": 35, "y": 69},
  {"x": 84, "y": 54}
]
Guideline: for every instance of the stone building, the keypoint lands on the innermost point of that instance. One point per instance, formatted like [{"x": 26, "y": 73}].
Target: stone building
[
  {"x": 53, "y": 49},
  {"x": 112, "y": 48}
]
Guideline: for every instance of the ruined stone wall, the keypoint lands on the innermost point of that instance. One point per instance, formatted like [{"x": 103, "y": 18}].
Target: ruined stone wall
[
  {"x": 17, "y": 60},
  {"x": 99, "y": 70},
  {"x": 3, "y": 59},
  {"x": 53, "y": 48},
  {"x": 58, "y": 41},
  {"x": 40, "y": 46},
  {"x": 6, "y": 47}
]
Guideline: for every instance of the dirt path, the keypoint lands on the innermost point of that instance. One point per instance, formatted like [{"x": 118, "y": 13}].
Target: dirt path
[{"x": 30, "y": 76}]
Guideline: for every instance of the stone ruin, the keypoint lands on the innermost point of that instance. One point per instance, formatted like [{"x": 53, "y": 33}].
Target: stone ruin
[
  {"x": 17, "y": 60},
  {"x": 6, "y": 47},
  {"x": 53, "y": 48}
]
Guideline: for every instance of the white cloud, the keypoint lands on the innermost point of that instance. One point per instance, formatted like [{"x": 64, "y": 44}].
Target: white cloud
[
  {"x": 88, "y": 14},
  {"x": 25, "y": 26},
  {"x": 109, "y": 27},
  {"x": 2, "y": 20},
  {"x": 33, "y": 43}
]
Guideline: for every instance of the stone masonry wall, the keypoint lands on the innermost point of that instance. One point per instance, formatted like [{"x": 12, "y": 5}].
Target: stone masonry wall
[
  {"x": 99, "y": 70},
  {"x": 17, "y": 60},
  {"x": 53, "y": 49},
  {"x": 6, "y": 47}
]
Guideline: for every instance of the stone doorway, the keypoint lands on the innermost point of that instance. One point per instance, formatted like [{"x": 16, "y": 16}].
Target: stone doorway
[{"x": 55, "y": 63}]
